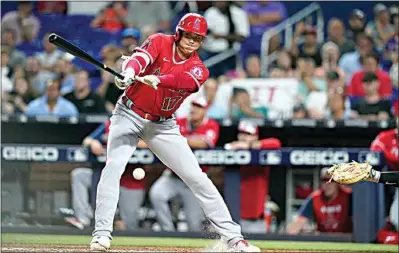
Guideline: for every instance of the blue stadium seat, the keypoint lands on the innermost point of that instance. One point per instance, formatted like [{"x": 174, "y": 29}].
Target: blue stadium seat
[{"x": 95, "y": 82}]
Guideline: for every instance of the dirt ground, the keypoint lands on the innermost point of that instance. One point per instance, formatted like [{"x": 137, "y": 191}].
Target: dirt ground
[{"x": 73, "y": 248}]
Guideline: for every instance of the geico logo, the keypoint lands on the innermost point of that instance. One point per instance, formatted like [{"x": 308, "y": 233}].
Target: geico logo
[
  {"x": 240, "y": 157},
  {"x": 331, "y": 209},
  {"x": 300, "y": 157},
  {"x": 30, "y": 154},
  {"x": 142, "y": 156}
]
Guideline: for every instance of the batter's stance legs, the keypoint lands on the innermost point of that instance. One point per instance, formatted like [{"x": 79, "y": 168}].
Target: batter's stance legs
[
  {"x": 172, "y": 149},
  {"x": 122, "y": 142}
]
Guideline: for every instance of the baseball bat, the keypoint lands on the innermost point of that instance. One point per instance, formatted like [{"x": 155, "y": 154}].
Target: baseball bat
[{"x": 76, "y": 51}]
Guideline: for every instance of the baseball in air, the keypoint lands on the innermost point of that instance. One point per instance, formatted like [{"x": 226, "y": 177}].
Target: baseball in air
[{"x": 138, "y": 173}]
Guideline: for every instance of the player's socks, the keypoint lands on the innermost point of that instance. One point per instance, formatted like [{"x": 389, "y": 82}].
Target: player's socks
[{"x": 389, "y": 178}]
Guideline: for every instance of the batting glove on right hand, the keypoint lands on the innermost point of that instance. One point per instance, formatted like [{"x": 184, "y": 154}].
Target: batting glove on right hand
[{"x": 129, "y": 75}]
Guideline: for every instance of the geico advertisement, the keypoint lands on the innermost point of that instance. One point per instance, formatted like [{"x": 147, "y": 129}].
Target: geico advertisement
[
  {"x": 225, "y": 157},
  {"x": 39, "y": 154},
  {"x": 318, "y": 157},
  {"x": 140, "y": 156}
]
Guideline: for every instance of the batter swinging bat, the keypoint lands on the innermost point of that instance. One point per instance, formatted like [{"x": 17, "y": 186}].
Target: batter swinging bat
[{"x": 76, "y": 51}]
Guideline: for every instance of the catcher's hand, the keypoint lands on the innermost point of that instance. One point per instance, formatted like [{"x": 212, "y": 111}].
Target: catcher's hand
[{"x": 349, "y": 173}]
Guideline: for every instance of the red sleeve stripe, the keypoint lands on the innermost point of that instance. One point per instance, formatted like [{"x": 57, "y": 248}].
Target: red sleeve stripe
[
  {"x": 138, "y": 62},
  {"x": 195, "y": 79},
  {"x": 146, "y": 52}
]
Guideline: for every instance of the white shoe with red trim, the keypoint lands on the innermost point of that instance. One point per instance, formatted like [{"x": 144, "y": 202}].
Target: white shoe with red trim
[
  {"x": 244, "y": 246},
  {"x": 100, "y": 243}
]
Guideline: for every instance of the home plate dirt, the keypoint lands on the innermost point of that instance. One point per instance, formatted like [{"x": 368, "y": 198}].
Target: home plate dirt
[{"x": 74, "y": 248}]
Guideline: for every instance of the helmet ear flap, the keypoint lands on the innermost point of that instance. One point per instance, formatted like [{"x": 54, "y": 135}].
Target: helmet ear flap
[{"x": 178, "y": 34}]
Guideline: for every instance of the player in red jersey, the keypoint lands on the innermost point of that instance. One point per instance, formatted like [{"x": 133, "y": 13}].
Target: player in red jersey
[
  {"x": 201, "y": 132},
  {"x": 387, "y": 143},
  {"x": 254, "y": 187},
  {"x": 159, "y": 75},
  {"x": 329, "y": 207}
]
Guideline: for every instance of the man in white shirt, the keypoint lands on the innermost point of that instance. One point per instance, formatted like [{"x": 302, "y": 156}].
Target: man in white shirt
[{"x": 227, "y": 24}]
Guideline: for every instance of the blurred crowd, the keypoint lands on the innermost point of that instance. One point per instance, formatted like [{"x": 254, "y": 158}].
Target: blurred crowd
[{"x": 352, "y": 74}]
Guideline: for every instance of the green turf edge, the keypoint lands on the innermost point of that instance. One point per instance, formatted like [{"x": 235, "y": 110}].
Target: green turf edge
[{"x": 191, "y": 243}]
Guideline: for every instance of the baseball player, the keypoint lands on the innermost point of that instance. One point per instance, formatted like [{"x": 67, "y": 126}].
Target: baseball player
[
  {"x": 166, "y": 69},
  {"x": 254, "y": 187},
  {"x": 131, "y": 194},
  {"x": 387, "y": 143},
  {"x": 329, "y": 207},
  {"x": 201, "y": 132}
]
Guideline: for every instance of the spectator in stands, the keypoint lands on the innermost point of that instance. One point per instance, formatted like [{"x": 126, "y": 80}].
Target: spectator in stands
[
  {"x": 22, "y": 21},
  {"x": 310, "y": 48},
  {"x": 86, "y": 101},
  {"x": 330, "y": 208},
  {"x": 17, "y": 57},
  {"x": 131, "y": 194},
  {"x": 370, "y": 64},
  {"x": 130, "y": 39},
  {"x": 215, "y": 111},
  {"x": 254, "y": 185},
  {"x": 37, "y": 78},
  {"x": 309, "y": 83},
  {"x": 300, "y": 112},
  {"x": 65, "y": 69},
  {"x": 351, "y": 62},
  {"x": 336, "y": 107},
  {"x": 380, "y": 29},
  {"x": 337, "y": 103},
  {"x": 112, "y": 18},
  {"x": 201, "y": 132},
  {"x": 330, "y": 55},
  {"x": 107, "y": 90},
  {"x": 390, "y": 51},
  {"x": 21, "y": 95},
  {"x": 371, "y": 106},
  {"x": 263, "y": 15},
  {"x": 283, "y": 68},
  {"x": 52, "y": 103},
  {"x": 357, "y": 24},
  {"x": 49, "y": 57},
  {"x": 336, "y": 34},
  {"x": 52, "y": 7},
  {"x": 156, "y": 14},
  {"x": 6, "y": 84},
  {"x": 240, "y": 106},
  {"x": 252, "y": 67},
  {"x": 227, "y": 25}
]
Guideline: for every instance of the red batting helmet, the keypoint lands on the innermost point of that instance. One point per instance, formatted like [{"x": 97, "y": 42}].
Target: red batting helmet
[{"x": 192, "y": 22}]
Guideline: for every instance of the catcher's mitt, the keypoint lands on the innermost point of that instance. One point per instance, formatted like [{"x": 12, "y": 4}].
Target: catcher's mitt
[{"x": 349, "y": 173}]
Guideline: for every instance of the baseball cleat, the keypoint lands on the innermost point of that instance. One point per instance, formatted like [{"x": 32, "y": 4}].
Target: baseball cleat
[
  {"x": 244, "y": 246},
  {"x": 100, "y": 243}
]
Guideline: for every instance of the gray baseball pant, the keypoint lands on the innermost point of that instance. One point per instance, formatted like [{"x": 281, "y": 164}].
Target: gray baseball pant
[{"x": 166, "y": 142}]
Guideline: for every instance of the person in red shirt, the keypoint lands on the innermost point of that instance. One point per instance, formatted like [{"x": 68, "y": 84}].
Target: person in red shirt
[
  {"x": 131, "y": 191},
  {"x": 329, "y": 207},
  {"x": 370, "y": 64},
  {"x": 201, "y": 132},
  {"x": 157, "y": 78},
  {"x": 112, "y": 18},
  {"x": 254, "y": 187}
]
